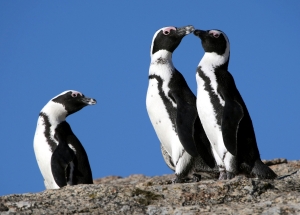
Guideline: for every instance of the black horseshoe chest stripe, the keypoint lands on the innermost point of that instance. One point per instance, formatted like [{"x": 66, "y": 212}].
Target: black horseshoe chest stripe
[
  {"x": 214, "y": 99},
  {"x": 47, "y": 131},
  {"x": 171, "y": 110}
]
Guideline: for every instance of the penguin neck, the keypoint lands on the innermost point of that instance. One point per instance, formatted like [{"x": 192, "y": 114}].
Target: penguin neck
[
  {"x": 56, "y": 112},
  {"x": 161, "y": 64},
  {"x": 212, "y": 60},
  {"x": 161, "y": 57}
]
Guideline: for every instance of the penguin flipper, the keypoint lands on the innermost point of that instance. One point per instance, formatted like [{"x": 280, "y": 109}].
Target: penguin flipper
[
  {"x": 60, "y": 161},
  {"x": 232, "y": 116},
  {"x": 185, "y": 120}
]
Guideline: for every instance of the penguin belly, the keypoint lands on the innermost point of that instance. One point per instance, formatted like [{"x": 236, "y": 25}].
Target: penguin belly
[
  {"x": 43, "y": 156},
  {"x": 162, "y": 123},
  {"x": 212, "y": 129}
]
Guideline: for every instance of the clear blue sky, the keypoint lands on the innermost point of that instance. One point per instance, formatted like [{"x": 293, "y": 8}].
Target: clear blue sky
[{"x": 102, "y": 49}]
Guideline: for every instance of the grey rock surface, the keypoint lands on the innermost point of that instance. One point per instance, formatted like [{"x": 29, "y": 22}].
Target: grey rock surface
[{"x": 139, "y": 194}]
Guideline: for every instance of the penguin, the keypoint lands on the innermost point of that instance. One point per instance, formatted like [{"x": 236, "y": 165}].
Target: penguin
[
  {"x": 223, "y": 113},
  {"x": 171, "y": 107},
  {"x": 61, "y": 158}
]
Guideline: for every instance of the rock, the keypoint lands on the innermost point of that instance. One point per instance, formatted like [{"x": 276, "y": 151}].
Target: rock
[{"x": 139, "y": 194}]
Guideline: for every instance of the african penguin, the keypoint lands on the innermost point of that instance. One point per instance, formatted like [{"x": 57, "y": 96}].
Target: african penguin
[
  {"x": 171, "y": 107},
  {"x": 223, "y": 112},
  {"x": 60, "y": 156}
]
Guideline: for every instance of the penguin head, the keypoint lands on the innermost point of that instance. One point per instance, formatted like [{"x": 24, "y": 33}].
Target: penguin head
[
  {"x": 214, "y": 41},
  {"x": 73, "y": 101},
  {"x": 168, "y": 38}
]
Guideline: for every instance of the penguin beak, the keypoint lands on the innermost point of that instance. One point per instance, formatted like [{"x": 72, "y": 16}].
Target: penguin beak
[
  {"x": 182, "y": 31},
  {"x": 199, "y": 33},
  {"x": 88, "y": 101}
]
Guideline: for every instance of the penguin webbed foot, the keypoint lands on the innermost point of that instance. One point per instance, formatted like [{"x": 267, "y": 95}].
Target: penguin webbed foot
[
  {"x": 196, "y": 177},
  {"x": 179, "y": 179},
  {"x": 262, "y": 171},
  {"x": 230, "y": 175}
]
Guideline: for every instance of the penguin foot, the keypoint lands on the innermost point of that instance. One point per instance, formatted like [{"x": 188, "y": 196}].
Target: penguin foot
[
  {"x": 230, "y": 175},
  {"x": 196, "y": 177},
  {"x": 223, "y": 175},
  {"x": 177, "y": 179}
]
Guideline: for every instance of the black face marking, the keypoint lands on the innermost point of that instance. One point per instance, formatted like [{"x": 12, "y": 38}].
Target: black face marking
[
  {"x": 166, "y": 41},
  {"x": 172, "y": 112},
  {"x": 47, "y": 133},
  {"x": 72, "y": 102},
  {"x": 212, "y": 42}
]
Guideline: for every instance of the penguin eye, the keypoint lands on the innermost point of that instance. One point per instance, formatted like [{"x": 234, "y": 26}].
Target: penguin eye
[
  {"x": 166, "y": 32},
  {"x": 215, "y": 35},
  {"x": 74, "y": 95}
]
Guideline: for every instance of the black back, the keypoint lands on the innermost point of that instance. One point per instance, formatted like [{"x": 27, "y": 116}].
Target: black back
[
  {"x": 62, "y": 160},
  {"x": 64, "y": 155},
  {"x": 188, "y": 124},
  {"x": 237, "y": 129},
  {"x": 236, "y": 113}
]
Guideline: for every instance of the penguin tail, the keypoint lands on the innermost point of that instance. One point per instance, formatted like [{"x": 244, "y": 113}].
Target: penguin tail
[{"x": 262, "y": 171}]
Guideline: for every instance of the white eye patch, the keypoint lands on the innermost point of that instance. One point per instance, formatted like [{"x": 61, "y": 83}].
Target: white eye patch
[
  {"x": 214, "y": 33},
  {"x": 167, "y": 30},
  {"x": 75, "y": 94}
]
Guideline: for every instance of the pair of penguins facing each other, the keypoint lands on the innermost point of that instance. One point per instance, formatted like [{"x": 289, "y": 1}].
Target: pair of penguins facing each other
[
  {"x": 223, "y": 141},
  {"x": 211, "y": 133}
]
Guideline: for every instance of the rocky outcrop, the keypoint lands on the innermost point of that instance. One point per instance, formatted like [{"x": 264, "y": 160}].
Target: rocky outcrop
[{"x": 139, "y": 194}]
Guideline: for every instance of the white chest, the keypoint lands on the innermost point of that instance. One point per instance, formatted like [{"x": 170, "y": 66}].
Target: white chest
[
  {"x": 159, "y": 116},
  {"x": 41, "y": 146},
  {"x": 210, "y": 103},
  {"x": 206, "y": 110},
  {"x": 43, "y": 155}
]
